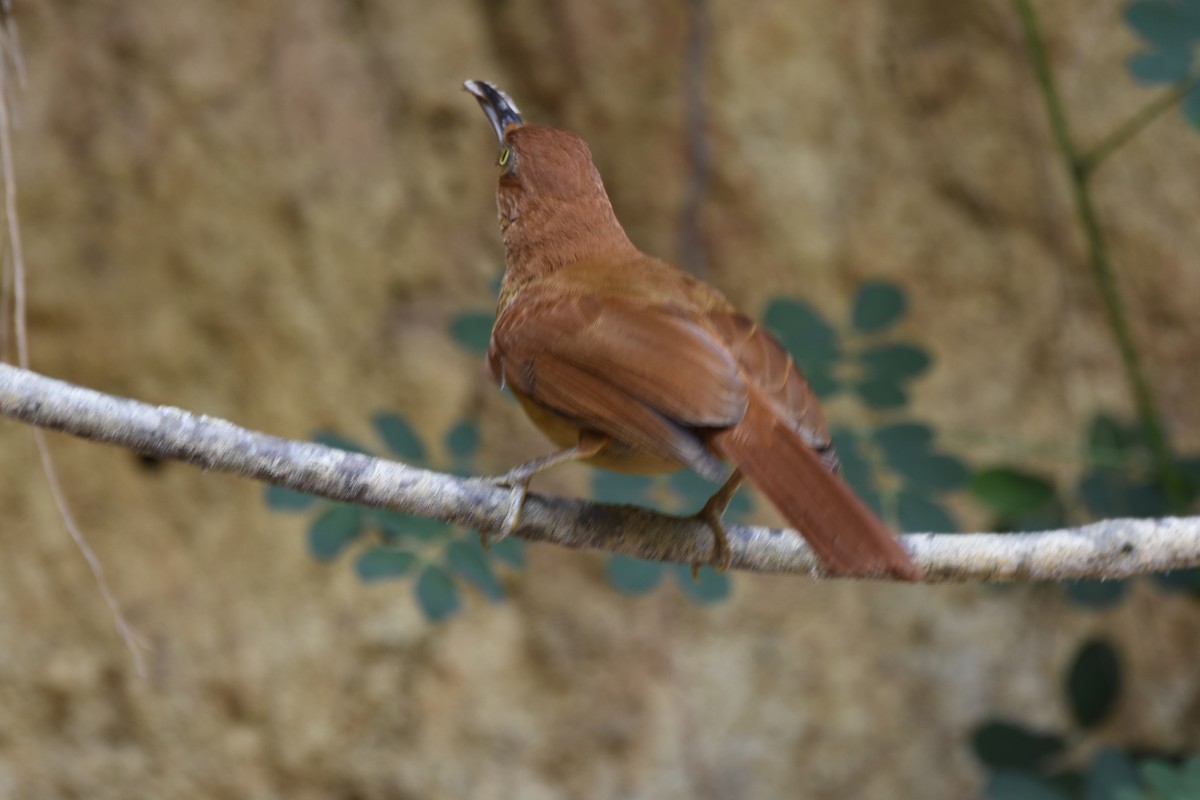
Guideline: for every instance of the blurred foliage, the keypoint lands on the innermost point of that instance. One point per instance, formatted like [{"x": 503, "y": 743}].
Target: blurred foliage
[
  {"x": 438, "y": 558},
  {"x": 1024, "y": 763},
  {"x": 1171, "y": 31},
  {"x": 895, "y": 466},
  {"x": 1129, "y": 471},
  {"x": 1118, "y": 480},
  {"x": 1162, "y": 780},
  {"x": 856, "y": 357}
]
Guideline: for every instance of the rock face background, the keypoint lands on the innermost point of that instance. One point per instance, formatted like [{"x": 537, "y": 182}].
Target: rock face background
[{"x": 268, "y": 211}]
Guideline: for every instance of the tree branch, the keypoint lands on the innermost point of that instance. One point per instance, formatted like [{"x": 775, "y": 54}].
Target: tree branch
[{"x": 1110, "y": 549}]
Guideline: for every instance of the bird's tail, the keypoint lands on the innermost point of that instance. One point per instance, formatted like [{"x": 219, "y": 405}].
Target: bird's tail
[{"x": 847, "y": 537}]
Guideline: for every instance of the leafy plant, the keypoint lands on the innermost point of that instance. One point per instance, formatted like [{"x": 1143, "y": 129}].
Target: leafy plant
[
  {"x": 1120, "y": 480},
  {"x": 391, "y": 545},
  {"x": 857, "y": 357},
  {"x": 1160, "y": 780},
  {"x": 1171, "y": 30},
  {"x": 1024, "y": 763},
  {"x": 898, "y": 472},
  {"x": 895, "y": 467}
]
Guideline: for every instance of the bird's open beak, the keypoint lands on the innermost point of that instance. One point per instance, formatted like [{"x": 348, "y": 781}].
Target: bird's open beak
[{"x": 501, "y": 111}]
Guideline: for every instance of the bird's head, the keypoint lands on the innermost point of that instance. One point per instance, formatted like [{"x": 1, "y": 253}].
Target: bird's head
[{"x": 543, "y": 170}]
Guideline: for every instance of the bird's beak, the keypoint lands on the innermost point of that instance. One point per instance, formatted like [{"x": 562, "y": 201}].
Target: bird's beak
[{"x": 501, "y": 111}]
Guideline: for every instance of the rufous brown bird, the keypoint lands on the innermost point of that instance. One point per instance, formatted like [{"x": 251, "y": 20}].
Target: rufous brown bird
[{"x": 630, "y": 364}]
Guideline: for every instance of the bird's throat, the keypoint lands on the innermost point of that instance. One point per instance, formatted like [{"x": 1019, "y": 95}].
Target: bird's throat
[{"x": 540, "y": 238}]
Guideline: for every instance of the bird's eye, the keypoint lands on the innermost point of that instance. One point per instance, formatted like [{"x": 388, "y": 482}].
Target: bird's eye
[{"x": 505, "y": 155}]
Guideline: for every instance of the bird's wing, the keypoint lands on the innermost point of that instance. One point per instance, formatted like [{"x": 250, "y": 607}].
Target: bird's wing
[
  {"x": 642, "y": 374},
  {"x": 770, "y": 368}
]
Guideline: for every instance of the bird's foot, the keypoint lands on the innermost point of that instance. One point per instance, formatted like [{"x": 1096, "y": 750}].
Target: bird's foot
[
  {"x": 516, "y": 481},
  {"x": 712, "y": 515}
]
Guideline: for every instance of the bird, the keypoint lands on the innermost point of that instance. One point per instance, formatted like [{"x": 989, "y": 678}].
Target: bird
[{"x": 628, "y": 363}]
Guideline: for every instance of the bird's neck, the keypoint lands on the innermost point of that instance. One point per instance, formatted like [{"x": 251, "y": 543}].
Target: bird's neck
[{"x": 540, "y": 237}]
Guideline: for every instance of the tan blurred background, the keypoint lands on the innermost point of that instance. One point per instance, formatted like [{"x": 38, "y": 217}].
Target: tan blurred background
[{"x": 269, "y": 210}]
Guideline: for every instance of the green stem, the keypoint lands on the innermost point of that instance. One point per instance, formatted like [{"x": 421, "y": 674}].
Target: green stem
[
  {"x": 1078, "y": 171},
  {"x": 1131, "y": 127}
]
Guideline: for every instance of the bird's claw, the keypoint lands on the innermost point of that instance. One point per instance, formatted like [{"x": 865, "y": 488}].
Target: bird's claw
[
  {"x": 722, "y": 558},
  {"x": 517, "y": 482}
]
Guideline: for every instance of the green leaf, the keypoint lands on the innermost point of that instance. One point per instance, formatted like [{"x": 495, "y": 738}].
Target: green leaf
[
  {"x": 282, "y": 499},
  {"x": 473, "y": 330},
  {"x": 1189, "y": 467},
  {"x": 881, "y": 394},
  {"x": 1109, "y": 772},
  {"x": 467, "y": 558},
  {"x": 806, "y": 334},
  {"x": 462, "y": 441},
  {"x": 874, "y": 501},
  {"x": 394, "y": 525},
  {"x": 1179, "y": 580},
  {"x": 1097, "y": 594},
  {"x": 1109, "y": 492},
  {"x": 1163, "y": 778},
  {"x": 1003, "y": 745},
  {"x": 856, "y": 470},
  {"x": 902, "y": 438},
  {"x": 511, "y": 551},
  {"x": 399, "y": 437},
  {"x": 1107, "y": 441},
  {"x": 935, "y": 472},
  {"x": 1011, "y": 491},
  {"x": 1045, "y": 518},
  {"x": 333, "y": 530},
  {"x": 895, "y": 363},
  {"x": 1094, "y": 683},
  {"x": 383, "y": 564},
  {"x": 1149, "y": 500},
  {"x": 1067, "y": 782},
  {"x": 1105, "y": 491},
  {"x": 822, "y": 381},
  {"x": 1165, "y": 25},
  {"x": 917, "y": 513},
  {"x": 436, "y": 594},
  {"x": 632, "y": 575},
  {"x": 338, "y": 442},
  {"x": 1160, "y": 66},
  {"x": 709, "y": 587},
  {"x": 1168, "y": 782},
  {"x": 1014, "y": 785},
  {"x": 877, "y": 305}
]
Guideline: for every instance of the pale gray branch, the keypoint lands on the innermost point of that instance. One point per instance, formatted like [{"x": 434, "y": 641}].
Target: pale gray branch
[{"x": 1109, "y": 549}]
